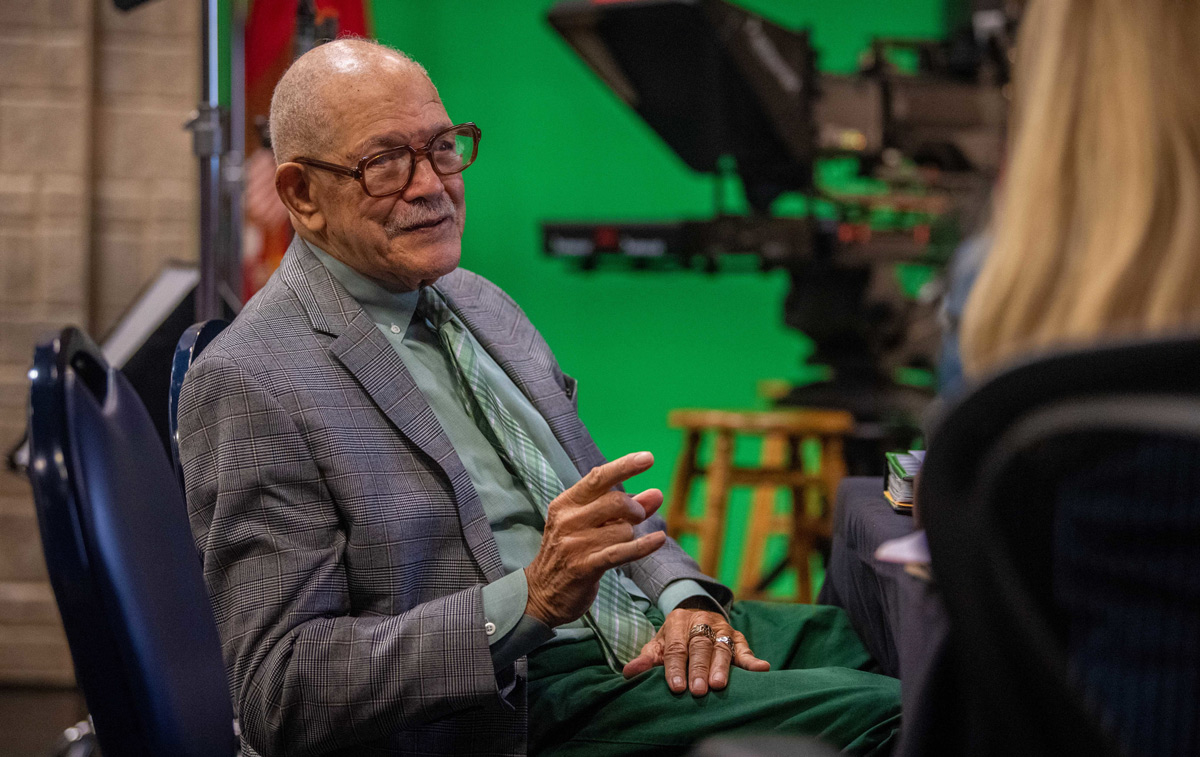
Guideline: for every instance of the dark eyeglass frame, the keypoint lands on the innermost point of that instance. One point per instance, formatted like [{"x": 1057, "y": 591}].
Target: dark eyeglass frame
[{"x": 358, "y": 173}]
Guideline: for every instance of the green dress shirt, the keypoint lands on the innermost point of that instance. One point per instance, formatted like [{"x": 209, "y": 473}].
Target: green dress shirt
[{"x": 513, "y": 516}]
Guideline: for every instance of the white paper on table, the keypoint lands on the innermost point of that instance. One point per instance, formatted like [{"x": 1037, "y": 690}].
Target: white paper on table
[{"x": 906, "y": 549}]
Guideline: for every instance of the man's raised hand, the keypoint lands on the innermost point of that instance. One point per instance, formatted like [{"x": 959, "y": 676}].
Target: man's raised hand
[{"x": 590, "y": 529}]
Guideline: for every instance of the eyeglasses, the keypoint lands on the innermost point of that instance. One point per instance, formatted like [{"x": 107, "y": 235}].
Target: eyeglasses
[{"x": 390, "y": 171}]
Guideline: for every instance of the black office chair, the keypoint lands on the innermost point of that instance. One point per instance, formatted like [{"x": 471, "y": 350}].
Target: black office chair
[
  {"x": 190, "y": 345},
  {"x": 1062, "y": 505},
  {"x": 121, "y": 561}
]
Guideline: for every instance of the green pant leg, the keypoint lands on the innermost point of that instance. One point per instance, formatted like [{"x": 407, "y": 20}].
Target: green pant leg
[
  {"x": 801, "y": 636},
  {"x": 579, "y": 706}
]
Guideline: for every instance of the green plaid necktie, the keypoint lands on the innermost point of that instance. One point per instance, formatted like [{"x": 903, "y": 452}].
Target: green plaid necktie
[{"x": 621, "y": 628}]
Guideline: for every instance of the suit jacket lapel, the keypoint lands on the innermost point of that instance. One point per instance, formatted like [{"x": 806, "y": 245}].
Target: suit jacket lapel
[
  {"x": 518, "y": 349},
  {"x": 370, "y": 358}
]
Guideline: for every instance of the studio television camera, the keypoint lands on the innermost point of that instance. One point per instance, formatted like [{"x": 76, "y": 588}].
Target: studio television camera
[{"x": 730, "y": 92}]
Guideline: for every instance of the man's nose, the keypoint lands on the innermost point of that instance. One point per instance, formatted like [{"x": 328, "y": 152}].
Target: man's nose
[{"x": 425, "y": 181}]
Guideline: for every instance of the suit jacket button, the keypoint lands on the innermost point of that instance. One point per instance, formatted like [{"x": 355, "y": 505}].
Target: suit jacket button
[{"x": 489, "y": 628}]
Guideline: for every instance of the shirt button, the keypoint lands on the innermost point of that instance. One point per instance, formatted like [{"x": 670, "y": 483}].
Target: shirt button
[
  {"x": 395, "y": 329},
  {"x": 489, "y": 628}
]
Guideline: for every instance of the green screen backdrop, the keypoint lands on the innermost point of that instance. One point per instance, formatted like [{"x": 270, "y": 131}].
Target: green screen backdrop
[{"x": 558, "y": 145}]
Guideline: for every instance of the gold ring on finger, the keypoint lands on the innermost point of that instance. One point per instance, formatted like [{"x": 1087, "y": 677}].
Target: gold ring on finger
[
  {"x": 702, "y": 629},
  {"x": 726, "y": 641}
]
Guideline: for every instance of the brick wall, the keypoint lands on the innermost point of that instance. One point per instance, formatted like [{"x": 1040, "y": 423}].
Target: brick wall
[
  {"x": 97, "y": 189},
  {"x": 145, "y": 211}
]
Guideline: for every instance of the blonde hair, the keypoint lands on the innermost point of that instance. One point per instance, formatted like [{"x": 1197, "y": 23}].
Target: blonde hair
[{"x": 1097, "y": 227}]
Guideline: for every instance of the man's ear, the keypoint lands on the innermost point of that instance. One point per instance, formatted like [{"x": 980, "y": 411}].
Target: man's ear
[{"x": 296, "y": 191}]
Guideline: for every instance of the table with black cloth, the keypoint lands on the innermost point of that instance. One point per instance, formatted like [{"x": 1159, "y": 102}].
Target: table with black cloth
[{"x": 899, "y": 617}]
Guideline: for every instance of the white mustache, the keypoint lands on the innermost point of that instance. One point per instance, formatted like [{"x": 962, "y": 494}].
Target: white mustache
[{"x": 420, "y": 214}]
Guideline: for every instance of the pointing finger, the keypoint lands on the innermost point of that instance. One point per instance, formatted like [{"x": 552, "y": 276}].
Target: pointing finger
[{"x": 604, "y": 477}]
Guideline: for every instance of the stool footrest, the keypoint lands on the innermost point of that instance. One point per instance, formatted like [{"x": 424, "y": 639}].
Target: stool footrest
[
  {"x": 760, "y": 477},
  {"x": 767, "y": 477},
  {"x": 685, "y": 526},
  {"x": 778, "y": 524}
]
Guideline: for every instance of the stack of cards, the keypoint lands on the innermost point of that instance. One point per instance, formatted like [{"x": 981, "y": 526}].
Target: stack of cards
[{"x": 902, "y": 471}]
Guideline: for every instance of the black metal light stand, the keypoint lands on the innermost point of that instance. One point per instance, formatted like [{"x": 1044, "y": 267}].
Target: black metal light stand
[{"x": 218, "y": 144}]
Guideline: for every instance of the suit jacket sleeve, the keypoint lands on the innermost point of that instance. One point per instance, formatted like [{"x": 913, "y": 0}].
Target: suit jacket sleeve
[
  {"x": 670, "y": 563},
  {"x": 308, "y": 673}
]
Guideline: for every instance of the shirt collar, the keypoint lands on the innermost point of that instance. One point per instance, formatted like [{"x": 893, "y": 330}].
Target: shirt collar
[{"x": 385, "y": 307}]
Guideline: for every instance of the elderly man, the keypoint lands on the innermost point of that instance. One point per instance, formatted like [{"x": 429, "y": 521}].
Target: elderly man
[{"x": 411, "y": 542}]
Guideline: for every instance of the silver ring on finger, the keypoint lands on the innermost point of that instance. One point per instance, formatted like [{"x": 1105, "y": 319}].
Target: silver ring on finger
[
  {"x": 702, "y": 629},
  {"x": 728, "y": 642}
]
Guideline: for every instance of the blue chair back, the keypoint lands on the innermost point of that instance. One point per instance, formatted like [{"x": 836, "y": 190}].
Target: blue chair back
[
  {"x": 189, "y": 347},
  {"x": 121, "y": 561}
]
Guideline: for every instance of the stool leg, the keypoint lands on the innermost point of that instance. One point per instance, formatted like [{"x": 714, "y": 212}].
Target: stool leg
[
  {"x": 716, "y": 501},
  {"x": 681, "y": 485},
  {"x": 762, "y": 513},
  {"x": 833, "y": 469},
  {"x": 812, "y": 533},
  {"x": 801, "y": 545}
]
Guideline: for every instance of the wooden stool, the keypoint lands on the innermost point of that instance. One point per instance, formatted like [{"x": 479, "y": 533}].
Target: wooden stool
[{"x": 783, "y": 431}]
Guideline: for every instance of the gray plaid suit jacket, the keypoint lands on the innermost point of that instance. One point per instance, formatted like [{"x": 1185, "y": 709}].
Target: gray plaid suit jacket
[{"x": 344, "y": 545}]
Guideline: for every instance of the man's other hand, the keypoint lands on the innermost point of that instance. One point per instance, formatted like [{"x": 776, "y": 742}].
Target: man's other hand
[
  {"x": 704, "y": 662},
  {"x": 589, "y": 529}
]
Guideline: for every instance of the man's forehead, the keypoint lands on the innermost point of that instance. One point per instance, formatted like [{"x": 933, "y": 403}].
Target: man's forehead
[
  {"x": 395, "y": 137},
  {"x": 383, "y": 111},
  {"x": 356, "y": 84}
]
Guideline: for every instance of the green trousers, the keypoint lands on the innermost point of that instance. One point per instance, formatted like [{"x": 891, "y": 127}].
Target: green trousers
[{"x": 819, "y": 685}]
